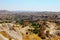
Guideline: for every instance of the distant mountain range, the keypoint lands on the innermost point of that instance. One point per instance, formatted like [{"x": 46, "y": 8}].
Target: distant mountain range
[{"x": 26, "y": 12}]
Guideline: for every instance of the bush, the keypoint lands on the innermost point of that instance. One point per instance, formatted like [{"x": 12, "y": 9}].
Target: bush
[{"x": 35, "y": 26}]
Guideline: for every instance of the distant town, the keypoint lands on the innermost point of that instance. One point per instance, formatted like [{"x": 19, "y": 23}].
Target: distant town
[{"x": 31, "y": 16}]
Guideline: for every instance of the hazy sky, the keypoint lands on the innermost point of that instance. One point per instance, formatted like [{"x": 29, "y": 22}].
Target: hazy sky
[{"x": 30, "y": 5}]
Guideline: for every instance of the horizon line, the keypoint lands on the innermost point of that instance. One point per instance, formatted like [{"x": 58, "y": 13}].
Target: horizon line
[{"x": 28, "y": 10}]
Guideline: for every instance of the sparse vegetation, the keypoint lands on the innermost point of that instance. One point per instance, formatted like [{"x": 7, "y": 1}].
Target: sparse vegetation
[{"x": 29, "y": 27}]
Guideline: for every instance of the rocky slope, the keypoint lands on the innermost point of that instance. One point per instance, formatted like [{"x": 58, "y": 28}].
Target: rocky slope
[{"x": 10, "y": 31}]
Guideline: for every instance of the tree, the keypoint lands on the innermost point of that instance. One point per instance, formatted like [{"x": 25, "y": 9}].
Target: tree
[{"x": 35, "y": 26}]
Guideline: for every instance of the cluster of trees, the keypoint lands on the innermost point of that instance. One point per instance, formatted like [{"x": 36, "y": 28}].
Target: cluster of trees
[{"x": 35, "y": 26}]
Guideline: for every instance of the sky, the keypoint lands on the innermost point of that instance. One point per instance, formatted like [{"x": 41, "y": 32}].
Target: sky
[{"x": 30, "y": 5}]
